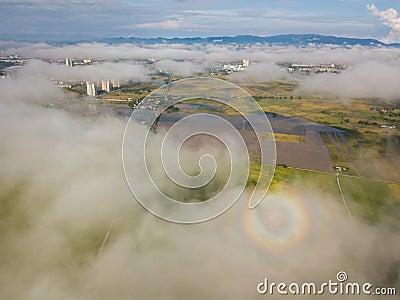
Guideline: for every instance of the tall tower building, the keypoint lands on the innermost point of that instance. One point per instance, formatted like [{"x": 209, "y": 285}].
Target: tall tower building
[
  {"x": 105, "y": 85},
  {"x": 68, "y": 61},
  {"x": 90, "y": 89},
  {"x": 115, "y": 84}
]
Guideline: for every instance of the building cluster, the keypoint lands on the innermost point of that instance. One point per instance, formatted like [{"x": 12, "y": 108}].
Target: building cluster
[
  {"x": 340, "y": 169},
  {"x": 76, "y": 62},
  {"x": 106, "y": 86},
  {"x": 9, "y": 64},
  {"x": 61, "y": 84},
  {"x": 228, "y": 68},
  {"x": 151, "y": 104},
  {"x": 392, "y": 111},
  {"x": 236, "y": 67},
  {"x": 68, "y": 62},
  {"x": 314, "y": 68},
  {"x": 389, "y": 126},
  {"x": 91, "y": 89},
  {"x": 157, "y": 101}
]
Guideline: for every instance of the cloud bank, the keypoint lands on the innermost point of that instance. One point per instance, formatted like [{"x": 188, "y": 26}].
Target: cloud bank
[
  {"x": 372, "y": 73},
  {"x": 107, "y": 70},
  {"x": 369, "y": 79}
]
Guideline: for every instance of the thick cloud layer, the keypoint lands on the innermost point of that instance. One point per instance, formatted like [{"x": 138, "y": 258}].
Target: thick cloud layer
[
  {"x": 182, "y": 68},
  {"x": 259, "y": 73},
  {"x": 368, "y": 79},
  {"x": 62, "y": 185},
  {"x": 372, "y": 73},
  {"x": 107, "y": 70}
]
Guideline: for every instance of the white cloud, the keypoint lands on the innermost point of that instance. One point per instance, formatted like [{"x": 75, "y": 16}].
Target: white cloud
[
  {"x": 374, "y": 70},
  {"x": 259, "y": 73},
  {"x": 182, "y": 68},
  {"x": 168, "y": 24},
  {"x": 389, "y": 17},
  {"x": 110, "y": 71},
  {"x": 368, "y": 79}
]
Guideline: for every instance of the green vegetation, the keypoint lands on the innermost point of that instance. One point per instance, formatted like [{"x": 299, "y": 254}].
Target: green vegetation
[
  {"x": 372, "y": 147},
  {"x": 273, "y": 89},
  {"x": 368, "y": 198},
  {"x": 172, "y": 109},
  {"x": 133, "y": 92},
  {"x": 313, "y": 181},
  {"x": 209, "y": 106},
  {"x": 78, "y": 89},
  {"x": 253, "y": 174},
  {"x": 280, "y": 97}
]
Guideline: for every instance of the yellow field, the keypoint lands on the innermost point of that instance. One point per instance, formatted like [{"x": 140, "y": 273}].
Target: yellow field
[
  {"x": 395, "y": 189},
  {"x": 289, "y": 138}
]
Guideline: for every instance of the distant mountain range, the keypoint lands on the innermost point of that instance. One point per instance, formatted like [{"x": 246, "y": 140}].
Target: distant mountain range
[{"x": 297, "y": 40}]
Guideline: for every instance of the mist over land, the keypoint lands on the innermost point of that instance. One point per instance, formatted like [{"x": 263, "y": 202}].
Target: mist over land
[
  {"x": 373, "y": 72},
  {"x": 62, "y": 185}
]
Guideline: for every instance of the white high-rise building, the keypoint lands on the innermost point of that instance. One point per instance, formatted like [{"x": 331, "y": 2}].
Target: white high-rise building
[
  {"x": 68, "y": 61},
  {"x": 105, "y": 85},
  {"x": 90, "y": 89},
  {"x": 115, "y": 84},
  {"x": 245, "y": 63}
]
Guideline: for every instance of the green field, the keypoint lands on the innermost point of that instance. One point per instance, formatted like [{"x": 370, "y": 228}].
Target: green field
[{"x": 367, "y": 198}]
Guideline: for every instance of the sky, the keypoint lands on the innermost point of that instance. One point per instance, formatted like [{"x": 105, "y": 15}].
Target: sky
[{"x": 91, "y": 19}]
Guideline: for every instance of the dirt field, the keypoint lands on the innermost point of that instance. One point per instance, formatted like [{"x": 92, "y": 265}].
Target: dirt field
[{"x": 311, "y": 154}]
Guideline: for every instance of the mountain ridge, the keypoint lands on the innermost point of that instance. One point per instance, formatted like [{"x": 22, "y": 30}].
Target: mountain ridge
[{"x": 299, "y": 40}]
